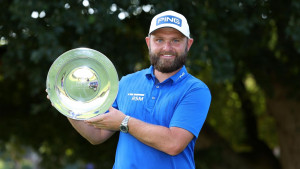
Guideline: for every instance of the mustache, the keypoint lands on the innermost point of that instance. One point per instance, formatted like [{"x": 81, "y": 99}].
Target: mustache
[{"x": 167, "y": 53}]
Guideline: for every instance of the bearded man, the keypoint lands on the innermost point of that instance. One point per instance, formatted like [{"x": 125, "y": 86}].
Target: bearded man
[{"x": 160, "y": 110}]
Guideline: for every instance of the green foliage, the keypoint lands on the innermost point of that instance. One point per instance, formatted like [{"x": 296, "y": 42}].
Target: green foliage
[{"x": 235, "y": 41}]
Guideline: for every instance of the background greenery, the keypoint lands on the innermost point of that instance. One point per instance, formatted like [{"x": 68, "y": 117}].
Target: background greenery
[{"x": 247, "y": 52}]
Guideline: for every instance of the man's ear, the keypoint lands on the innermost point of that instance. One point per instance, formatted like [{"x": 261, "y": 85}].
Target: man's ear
[
  {"x": 190, "y": 42},
  {"x": 148, "y": 41}
]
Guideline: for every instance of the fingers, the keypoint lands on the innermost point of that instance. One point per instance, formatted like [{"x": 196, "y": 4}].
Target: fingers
[
  {"x": 48, "y": 97},
  {"x": 94, "y": 124},
  {"x": 95, "y": 119},
  {"x": 111, "y": 109},
  {"x": 46, "y": 90}
]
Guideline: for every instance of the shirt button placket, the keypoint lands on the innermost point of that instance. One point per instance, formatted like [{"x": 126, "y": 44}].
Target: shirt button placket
[{"x": 155, "y": 93}]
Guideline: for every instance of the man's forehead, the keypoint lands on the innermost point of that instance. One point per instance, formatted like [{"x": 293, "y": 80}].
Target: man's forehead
[{"x": 167, "y": 31}]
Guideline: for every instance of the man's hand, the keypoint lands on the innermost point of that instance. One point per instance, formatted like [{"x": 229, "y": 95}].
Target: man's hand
[
  {"x": 47, "y": 94},
  {"x": 48, "y": 97},
  {"x": 110, "y": 121}
]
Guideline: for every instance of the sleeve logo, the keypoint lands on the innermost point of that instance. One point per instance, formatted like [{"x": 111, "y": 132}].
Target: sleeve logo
[{"x": 168, "y": 19}]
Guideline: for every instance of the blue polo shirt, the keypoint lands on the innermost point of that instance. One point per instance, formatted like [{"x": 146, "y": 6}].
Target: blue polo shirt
[{"x": 180, "y": 101}]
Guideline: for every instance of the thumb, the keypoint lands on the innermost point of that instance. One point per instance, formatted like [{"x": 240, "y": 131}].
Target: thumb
[{"x": 111, "y": 109}]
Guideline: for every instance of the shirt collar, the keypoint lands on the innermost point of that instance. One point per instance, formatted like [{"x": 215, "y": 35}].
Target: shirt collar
[
  {"x": 181, "y": 74},
  {"x": 149, "y": 72}
]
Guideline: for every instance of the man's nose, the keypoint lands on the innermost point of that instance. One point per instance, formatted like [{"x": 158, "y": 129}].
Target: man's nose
[{"x": 167, "y": 46}]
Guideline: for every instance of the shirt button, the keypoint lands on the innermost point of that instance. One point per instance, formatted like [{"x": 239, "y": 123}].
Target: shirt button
[{"x": 153, "y": 98}]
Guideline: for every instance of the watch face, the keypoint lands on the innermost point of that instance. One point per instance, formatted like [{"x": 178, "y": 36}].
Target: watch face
[{"x": 123, "y": 128}]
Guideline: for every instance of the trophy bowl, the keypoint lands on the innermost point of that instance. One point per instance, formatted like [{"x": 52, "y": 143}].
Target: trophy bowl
[{"x": 82, "y": 83}]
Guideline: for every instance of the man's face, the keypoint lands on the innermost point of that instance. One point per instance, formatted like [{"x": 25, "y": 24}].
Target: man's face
[{"x": 168, "y": 49}]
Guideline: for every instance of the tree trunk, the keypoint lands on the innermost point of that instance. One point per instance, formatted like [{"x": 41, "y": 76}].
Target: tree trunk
[
  {"x": 287, "y": 115},
  {"x": 225, "y": 157},
  {"x": 260, "y": 154}
]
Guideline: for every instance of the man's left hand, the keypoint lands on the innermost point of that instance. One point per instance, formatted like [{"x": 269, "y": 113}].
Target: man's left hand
[{"x": 110, "y": 121}]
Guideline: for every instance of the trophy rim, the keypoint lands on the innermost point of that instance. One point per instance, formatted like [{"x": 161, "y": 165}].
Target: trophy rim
[{"x": 82, "y": 53}]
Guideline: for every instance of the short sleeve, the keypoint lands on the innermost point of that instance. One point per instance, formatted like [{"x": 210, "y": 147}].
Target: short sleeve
[{"x": 192, "y": 110}]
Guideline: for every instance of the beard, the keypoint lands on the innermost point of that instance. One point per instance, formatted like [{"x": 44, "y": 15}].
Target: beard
[{"x": 167, "y": 65}]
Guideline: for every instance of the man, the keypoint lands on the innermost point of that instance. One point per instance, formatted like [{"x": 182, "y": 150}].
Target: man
[{"x": 160, "y": 110}]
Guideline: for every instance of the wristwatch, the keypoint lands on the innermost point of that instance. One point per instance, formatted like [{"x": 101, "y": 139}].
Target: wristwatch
[{"x": 124, "y": 125}]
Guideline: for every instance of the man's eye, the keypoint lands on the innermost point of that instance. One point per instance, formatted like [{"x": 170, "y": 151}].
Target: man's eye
[
  {"x": 176, "y": 40},
  {"x": 159, "y": 40}
]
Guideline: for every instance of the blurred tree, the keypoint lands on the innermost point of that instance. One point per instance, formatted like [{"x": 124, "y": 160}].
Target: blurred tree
[{"x": 246, "y": 51}]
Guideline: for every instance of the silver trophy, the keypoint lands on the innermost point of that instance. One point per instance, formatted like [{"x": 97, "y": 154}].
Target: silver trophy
[{"x": 82, "y": 83}]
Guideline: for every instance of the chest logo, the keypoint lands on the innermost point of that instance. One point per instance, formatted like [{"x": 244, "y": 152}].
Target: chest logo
[{"x": 136, "y": 96}]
